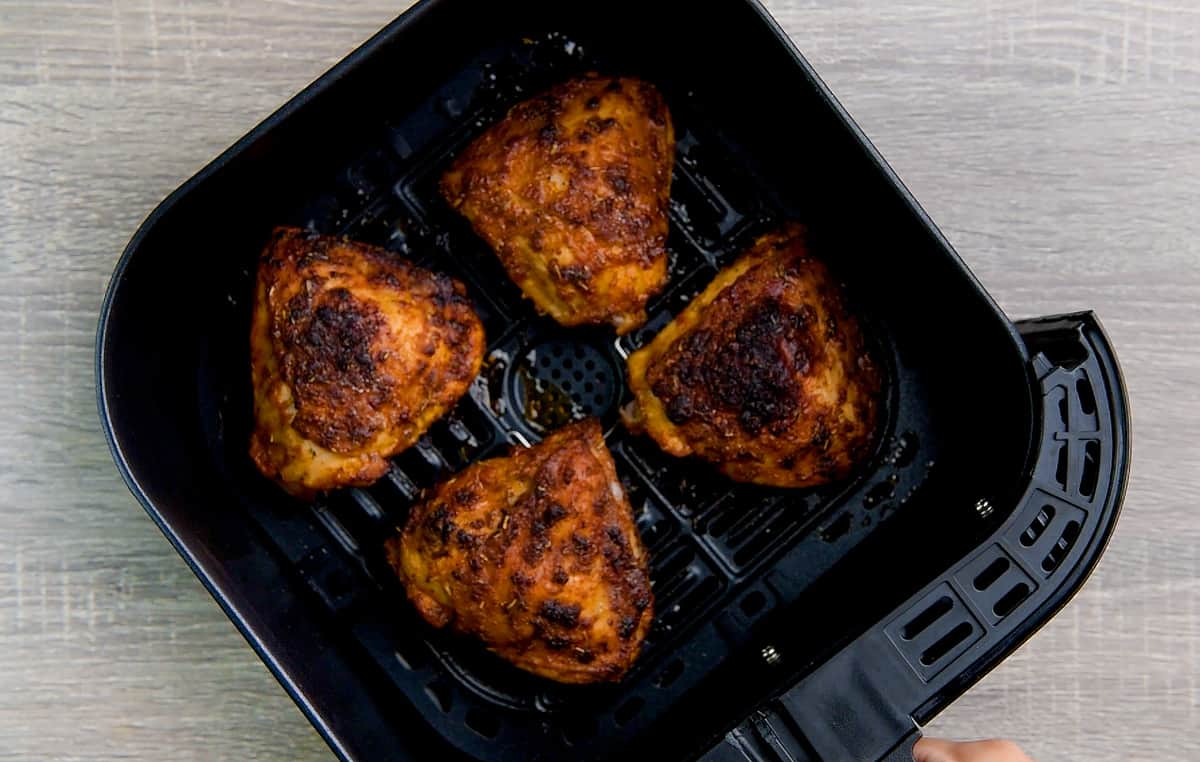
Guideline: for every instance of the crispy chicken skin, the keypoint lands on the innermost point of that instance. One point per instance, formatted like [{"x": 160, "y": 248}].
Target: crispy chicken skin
[
  {"x": 537, "y": 555},
  {"x": 765, "y": 373},
  {"x": 571, "y": 190},
  {"x": 353, "y": 354}
]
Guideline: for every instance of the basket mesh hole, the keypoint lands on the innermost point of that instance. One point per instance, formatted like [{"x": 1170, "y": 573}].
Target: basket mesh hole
[{"x": 564, "y": 381}]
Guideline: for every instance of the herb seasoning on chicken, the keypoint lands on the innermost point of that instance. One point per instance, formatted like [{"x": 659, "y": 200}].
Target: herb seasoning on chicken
[
  {"x": 353, "y": 354},
  {"x": 571, "y": 190},
  {"x": 537, "y": 555},
  {"x": 766, "y": 373}
]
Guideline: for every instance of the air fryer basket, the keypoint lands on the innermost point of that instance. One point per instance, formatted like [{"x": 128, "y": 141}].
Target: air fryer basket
[{"x": 831, "y": 618}]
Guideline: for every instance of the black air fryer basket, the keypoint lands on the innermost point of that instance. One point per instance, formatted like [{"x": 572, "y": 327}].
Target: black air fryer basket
[{"x": 791, "y": 624}]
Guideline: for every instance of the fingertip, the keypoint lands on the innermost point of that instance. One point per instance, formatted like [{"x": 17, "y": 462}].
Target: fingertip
[{"x": 931, "y": 750}]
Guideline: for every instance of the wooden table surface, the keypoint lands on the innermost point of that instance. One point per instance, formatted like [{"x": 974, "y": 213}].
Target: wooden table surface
[{"x": 1057, "y": 142}]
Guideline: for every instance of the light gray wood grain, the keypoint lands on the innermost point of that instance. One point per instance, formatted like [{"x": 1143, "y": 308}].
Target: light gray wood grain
[{"x": 1056, "y": 142}]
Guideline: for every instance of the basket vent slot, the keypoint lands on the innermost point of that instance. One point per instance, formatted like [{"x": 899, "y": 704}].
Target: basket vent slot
[
  {"x": 1010, "y": 600},
  {"x": 931, "y": 614},
  {"x": 1087, "y": 398},
  {"x": 1060, "y": 471},
  {"x": 670, "y": 674},
  {"x": 992, "y": 576},
  {"x": 879, "y": 493},
  {"x": 420, "y": 466},
  {"x": 1038, "y": 527},
  {"x": 836, "y": 528},
  {"x": 367, "y": 504},
  {"x": 627, "y": 711},
  {"x": 748, "y": 522},
  {"x": 993, "y": 572},
  {"x": 946, "y": 643},
  {"x": 653, "y": 526},
  {"x": 676, "y": 616},
  {"x": 684, "y": 585},
  {"x": 1051, "y": 532},
  {"x": 1091, "y": 469},
  {"x": 462, "y": 435},
  {"x": 336, "y": 529},
  {"x": 748, "y": 552},
  {"x": 400, "y": 483},
  {"x": 1060, "y": 549},
  {"x": 330, "y": 577},
  {"x": 653, "y": 522}
]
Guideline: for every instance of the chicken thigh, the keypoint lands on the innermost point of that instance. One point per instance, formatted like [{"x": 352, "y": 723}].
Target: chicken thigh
[
  {"x": 353, "y": 354},
  {"x": 765, "y": 374},
  {"x": 537, "y": 555},
  {"x": 571, "y": 190}
]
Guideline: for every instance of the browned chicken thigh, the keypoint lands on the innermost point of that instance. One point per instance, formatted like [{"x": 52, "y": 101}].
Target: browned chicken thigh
[
  {"x": 571, "y": 190},
  {"x": 765, "y": 374},
  {"x": 538, "y": 556},
  {"x": 353, "y": 354}
]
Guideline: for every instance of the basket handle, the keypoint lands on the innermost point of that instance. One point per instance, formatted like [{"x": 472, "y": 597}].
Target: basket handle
[{"x": 867, "y": 700}]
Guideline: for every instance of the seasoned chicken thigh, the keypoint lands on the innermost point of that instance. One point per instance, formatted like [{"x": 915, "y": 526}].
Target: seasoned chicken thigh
[
  {"x": 571, "y": 190},
  {"x": 765, "y": 374},
  {"x": 537, "y": 555},
  {"x": 353, "y": 354}
]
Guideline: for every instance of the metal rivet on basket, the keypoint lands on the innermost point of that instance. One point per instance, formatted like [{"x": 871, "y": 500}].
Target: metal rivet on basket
[
  {"x": 770, "y": 655},
  {"x": 983, "y": 507}
]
